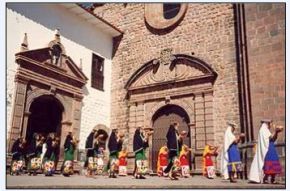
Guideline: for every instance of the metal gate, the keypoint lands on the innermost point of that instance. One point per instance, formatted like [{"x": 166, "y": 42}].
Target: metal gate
[{"x": 161, "y": 121}]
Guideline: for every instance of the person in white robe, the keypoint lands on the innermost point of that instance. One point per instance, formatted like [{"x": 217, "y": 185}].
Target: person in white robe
[
  {"x": 232, "y": 162},
  {"x": 265, "y": 151}
]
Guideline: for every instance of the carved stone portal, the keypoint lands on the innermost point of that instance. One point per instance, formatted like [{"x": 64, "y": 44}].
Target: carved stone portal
[
  {"x": 40, "y": 82},
  {"x": 172, "y": 81}
]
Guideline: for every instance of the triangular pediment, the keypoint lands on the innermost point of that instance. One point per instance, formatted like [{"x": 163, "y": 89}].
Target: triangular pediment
[
  {"x": 182, "y": 68},
  {"x": 41, "y": 61}
]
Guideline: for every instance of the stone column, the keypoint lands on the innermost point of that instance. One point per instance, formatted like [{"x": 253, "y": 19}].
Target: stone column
[
  {"x": 25, "y": 123},
  {"x": 18, "y": 110}
]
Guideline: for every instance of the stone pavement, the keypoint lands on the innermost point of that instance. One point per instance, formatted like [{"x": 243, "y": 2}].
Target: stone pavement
[{"x": 100, "y": 182}]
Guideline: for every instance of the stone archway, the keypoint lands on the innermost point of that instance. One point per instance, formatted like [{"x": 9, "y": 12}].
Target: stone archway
[
  {"x": 40, "y": 80},
  {"x": 161, "y": 120},
  {"x": 180, "y": 80},
  {"x": 45, "y": 117}
]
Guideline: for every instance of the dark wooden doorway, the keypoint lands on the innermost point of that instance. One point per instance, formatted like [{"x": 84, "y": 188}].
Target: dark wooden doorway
[
  {"x": 45, "y": 117},
  {"x": 161, "y": 121}
]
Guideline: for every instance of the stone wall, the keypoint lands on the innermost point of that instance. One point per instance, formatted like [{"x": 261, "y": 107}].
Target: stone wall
[
  {"x": 265, "y": 24},
  {"x": 206, "y": 32}
]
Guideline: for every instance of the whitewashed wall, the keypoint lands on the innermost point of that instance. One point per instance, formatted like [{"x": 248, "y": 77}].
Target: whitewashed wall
[{"x": 80, "y": 40}]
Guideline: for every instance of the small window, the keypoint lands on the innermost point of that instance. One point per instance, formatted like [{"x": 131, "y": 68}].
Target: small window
[
  {"x": 97, "y": 72},
  {"x": 170, "y": 10}
]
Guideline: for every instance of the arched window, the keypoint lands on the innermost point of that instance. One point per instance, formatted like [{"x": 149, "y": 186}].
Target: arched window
[{"x": 170, "y": 10}]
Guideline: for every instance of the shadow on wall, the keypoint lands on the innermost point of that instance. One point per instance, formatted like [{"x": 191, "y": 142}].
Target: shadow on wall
[
  {"x": 71, "y": 26},
  {"x": 85, "y": 91}
]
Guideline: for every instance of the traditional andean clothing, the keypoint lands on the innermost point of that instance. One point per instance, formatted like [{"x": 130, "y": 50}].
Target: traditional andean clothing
[
  {"x": 184, "y": 161},
  {"x": 174, "y": 145},
  {"x": 230, "y": 156},
  {"x": 69, "y": 149},
  {"x": 34, "y": 156},
  {"x": 208, "y": 165},
  {"x": 266, "y": 160},
  {"x": 18, "y": 152},
  {"x": 50, "y": 156},
  {"x": 139, "y": 147},
  {"x": 123, "y": 163},
  {"x": 162, "y": 161}
]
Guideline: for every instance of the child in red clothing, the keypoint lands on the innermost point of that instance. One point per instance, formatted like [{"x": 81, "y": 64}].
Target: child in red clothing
[
  {"x": 162, "y": 160},
  {"x": 184, "y": 162},
  {"x": 123, "y": 162},
  {"x": 208, "y": 165}
]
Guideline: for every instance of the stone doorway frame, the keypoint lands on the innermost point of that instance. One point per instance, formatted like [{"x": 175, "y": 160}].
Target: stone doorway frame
[
  {"x": 152, "y": 122},
  {"x": 191, "y": 93},
  {"x": 36, "y": 76}
]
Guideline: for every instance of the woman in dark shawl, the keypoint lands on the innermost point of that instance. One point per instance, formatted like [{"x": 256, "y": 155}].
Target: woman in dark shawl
[
  {"x": 69, "y": 149},
  {"x": 90, "y": 146},
  {"x": 33, "y": 154},
  {"x": 115, "y": 146},
  {"x": 140, "y": 143},
  {"x": 18, "y": 152},
  {"x": 174, "y": 143},
  {"x": 50, "y": 155}
]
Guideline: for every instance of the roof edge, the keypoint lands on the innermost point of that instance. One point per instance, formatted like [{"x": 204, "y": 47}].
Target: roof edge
[{"x": 102, "y": 20}]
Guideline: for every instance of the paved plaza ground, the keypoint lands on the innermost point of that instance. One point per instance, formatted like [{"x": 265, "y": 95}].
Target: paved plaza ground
[{"x": 100, "y": 182}]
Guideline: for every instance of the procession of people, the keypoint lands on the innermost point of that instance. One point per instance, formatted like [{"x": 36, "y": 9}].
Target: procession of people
[{"x": 41, "y": 154}]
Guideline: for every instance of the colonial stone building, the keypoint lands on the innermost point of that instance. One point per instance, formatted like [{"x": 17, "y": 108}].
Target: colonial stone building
[
  {"x": 198, "y": 64},
  {"x": 57, "y": 80}
]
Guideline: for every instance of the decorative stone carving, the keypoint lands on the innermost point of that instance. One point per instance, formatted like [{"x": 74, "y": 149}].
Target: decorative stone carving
[
  {"x": 163, "y": 66},
  {"x": 36, "y": 76},
  {"x": 24, "y": 44},
  {"x": 56, "y": 54},
  {"x": 57, "y": 50},
  {"x": 170, "y": 69}
]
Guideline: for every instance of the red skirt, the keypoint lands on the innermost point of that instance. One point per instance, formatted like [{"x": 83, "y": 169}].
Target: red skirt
[{"x": 272, "y": 167}]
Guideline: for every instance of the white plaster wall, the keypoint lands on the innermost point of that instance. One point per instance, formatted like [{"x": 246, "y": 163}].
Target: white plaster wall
[{"x": 80, "y": 40}]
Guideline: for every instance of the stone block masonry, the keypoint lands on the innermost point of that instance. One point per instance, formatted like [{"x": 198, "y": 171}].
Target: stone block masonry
[
  {"x": 266, "y": 46},
  {"x": 206, "y": 32}
]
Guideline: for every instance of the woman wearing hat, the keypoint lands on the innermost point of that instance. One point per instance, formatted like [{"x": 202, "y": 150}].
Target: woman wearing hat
[
  {"x": 231, "y": 159},
  {"x": 266, "y": 160}
]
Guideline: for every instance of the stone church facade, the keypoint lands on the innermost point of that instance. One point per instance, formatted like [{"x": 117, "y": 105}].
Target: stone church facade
[
  {"x": 211, "y": 60},
  {"x": 199, "y": 64}
]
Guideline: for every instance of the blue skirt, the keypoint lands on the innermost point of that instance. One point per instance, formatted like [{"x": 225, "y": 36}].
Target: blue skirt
[
  {"x": 271, "y": 162},
  {"x": 234, "y": 163}
]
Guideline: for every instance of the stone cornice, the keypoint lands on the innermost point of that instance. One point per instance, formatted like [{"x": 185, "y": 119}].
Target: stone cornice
[
  {"x": 24, "y": 74},
  {"x": 150, "y": 96},
  {"x": 48, "y": 67}
]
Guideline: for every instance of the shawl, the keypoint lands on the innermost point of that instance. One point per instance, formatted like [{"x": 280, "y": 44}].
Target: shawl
[
  {"x": 113, "y": 144},
  {"x": 138, "y": 141}
]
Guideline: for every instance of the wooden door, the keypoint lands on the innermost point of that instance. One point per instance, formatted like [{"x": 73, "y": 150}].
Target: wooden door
[{"x": 161, "y": 122}]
